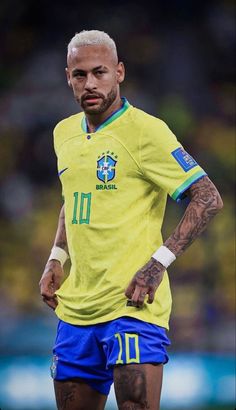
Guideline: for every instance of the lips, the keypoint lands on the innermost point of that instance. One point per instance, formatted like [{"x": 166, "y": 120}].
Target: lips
[{"x": 91, "y": 98}]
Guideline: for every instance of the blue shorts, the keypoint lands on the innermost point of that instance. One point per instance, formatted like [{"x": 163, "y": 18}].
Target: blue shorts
[{"x": 91, "y": 352}]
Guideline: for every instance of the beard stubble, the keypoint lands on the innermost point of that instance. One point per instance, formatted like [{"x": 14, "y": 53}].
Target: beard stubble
[{"x": 106, "y": 103}]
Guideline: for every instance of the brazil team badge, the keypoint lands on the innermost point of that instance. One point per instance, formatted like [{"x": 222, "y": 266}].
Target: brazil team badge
[{"x": 106, "y": 169}]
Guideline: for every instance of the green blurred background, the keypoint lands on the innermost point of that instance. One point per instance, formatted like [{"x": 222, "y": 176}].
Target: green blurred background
[{"x": 180, "y": 63}]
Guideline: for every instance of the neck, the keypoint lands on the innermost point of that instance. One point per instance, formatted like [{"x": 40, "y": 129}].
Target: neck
[{"x": 94, "y": 120}]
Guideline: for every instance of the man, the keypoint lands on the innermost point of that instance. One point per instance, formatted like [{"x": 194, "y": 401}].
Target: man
[{"x": 116, "y": 164}]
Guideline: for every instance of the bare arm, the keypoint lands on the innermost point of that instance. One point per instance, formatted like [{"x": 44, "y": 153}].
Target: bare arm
[
  {"x": 60, "y": 238},
  {"x": 205, "y": 203},
  {"x": 53, "y": 272}
]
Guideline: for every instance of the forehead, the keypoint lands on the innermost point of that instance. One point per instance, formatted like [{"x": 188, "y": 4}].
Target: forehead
[{"x": 87, "y": 57}]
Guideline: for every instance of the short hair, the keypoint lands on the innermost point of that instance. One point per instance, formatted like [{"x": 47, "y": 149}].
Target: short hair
[{"x": 92, "y": 37}]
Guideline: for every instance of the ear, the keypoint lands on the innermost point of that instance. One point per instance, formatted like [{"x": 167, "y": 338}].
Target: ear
[
  {"x": 68, "y": 77},
  {"x": 120, "y": 72}
]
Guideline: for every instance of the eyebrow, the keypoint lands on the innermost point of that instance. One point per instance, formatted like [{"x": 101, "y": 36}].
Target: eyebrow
[
  {"x": 99, "y": 67},
  {"x": 78, "y": 70}
]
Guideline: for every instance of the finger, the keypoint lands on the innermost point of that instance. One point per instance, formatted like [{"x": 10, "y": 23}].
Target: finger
[
  {"x": 151, "y": 295},
  {"x": 139, "y": 296},
  {"x": 136, "y": 294},
  {"x": 51, "y": 302},
  {"x": 130, "y": 290},
  {"x": 47, "y": 289},
  {"x": 47, "y": 293},
  {"x": 48, "y": 297}
]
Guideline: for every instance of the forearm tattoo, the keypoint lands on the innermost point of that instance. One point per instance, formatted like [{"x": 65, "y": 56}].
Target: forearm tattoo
[
  {"x": 204, "y": 205},
  {"x": 61, "y": 240}
]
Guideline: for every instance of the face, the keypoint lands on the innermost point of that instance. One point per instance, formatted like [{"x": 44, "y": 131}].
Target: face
[{"x": 94, "y": 75}]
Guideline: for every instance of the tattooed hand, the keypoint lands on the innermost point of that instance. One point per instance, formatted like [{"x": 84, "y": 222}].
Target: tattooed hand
[
  {"x": 145, "y": 282},
  {"x": 50, "y": 282}
]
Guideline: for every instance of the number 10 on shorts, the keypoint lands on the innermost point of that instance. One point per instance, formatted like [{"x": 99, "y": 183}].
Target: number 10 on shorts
[{"x": 130, "y": 346}]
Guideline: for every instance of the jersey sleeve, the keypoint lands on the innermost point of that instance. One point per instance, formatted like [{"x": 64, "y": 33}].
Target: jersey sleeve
[
  {"x": 165, "y": 162},
  {"x": 56, "y": 148}
]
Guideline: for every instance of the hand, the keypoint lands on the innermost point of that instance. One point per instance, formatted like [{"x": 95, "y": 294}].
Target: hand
[
  {"x": 145, "y": 282},
  {"x": 50, "y": 282}
]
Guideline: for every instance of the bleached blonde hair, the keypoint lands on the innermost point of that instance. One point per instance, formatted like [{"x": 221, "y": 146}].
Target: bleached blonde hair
[{"x": 92, "y": 37}]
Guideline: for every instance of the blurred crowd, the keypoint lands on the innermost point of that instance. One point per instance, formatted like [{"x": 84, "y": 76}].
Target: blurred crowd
[{"x": 179, "y": 57}]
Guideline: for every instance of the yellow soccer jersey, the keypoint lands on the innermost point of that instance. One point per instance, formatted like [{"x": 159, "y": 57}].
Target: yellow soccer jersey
[{"x": 115, "y": 183}]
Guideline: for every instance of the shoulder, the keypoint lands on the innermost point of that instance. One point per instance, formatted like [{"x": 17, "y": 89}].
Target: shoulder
[
  {"x": 147, "y": 121},
  {"x": 152, "y": 130},
  {"x": 69, "y": 123},
  {"x": 67, "y": 128}
]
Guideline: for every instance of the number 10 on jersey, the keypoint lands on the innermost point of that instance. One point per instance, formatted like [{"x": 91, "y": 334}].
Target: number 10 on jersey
[{"x": 83, "y": 202}]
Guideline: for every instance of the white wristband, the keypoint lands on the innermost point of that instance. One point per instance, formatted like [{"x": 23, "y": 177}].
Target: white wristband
[
  {"x": 59, "y": 255},
  {"x": 164, "y": 256}
]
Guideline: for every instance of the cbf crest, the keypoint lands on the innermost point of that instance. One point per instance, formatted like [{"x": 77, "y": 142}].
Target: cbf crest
[
  {"x": 106, "y": 166},
  {"x": 106, "y": 170}
]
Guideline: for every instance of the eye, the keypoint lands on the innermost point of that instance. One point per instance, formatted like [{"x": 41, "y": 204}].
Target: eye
[
  {"x": 100, "y": 72},
  {"x": 79, "y": 74}
]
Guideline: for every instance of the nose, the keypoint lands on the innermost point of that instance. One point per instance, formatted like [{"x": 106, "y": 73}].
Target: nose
[{"x": 90, "y": 82}]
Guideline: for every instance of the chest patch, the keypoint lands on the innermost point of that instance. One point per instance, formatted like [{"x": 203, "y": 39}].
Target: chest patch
[{"x": 106, "y": 166}]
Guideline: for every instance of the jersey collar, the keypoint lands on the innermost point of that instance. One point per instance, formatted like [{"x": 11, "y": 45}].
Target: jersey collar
[{"x": 116, "y": 114}]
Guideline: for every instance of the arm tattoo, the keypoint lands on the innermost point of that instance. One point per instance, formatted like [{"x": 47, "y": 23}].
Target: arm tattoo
[
  {"x": 61, "y": 239},
  {"x": 204, "y": 205}
]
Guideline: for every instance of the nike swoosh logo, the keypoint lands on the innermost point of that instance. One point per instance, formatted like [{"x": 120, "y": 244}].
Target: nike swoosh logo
[{"x": 61, "y": 172}]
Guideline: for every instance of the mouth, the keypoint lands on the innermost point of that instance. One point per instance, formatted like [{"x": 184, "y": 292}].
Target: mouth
[{"x": 91, "y": 99}]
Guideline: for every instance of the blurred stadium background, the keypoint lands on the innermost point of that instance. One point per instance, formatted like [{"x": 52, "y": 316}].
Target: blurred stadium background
[{"x": 179, "y": 57}]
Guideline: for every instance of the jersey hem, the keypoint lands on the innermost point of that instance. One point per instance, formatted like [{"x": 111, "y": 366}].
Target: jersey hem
[{"x": 160, "y": 323}]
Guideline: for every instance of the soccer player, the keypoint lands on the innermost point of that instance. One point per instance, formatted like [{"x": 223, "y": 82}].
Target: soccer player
[{"x": 116, "y": 164}]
